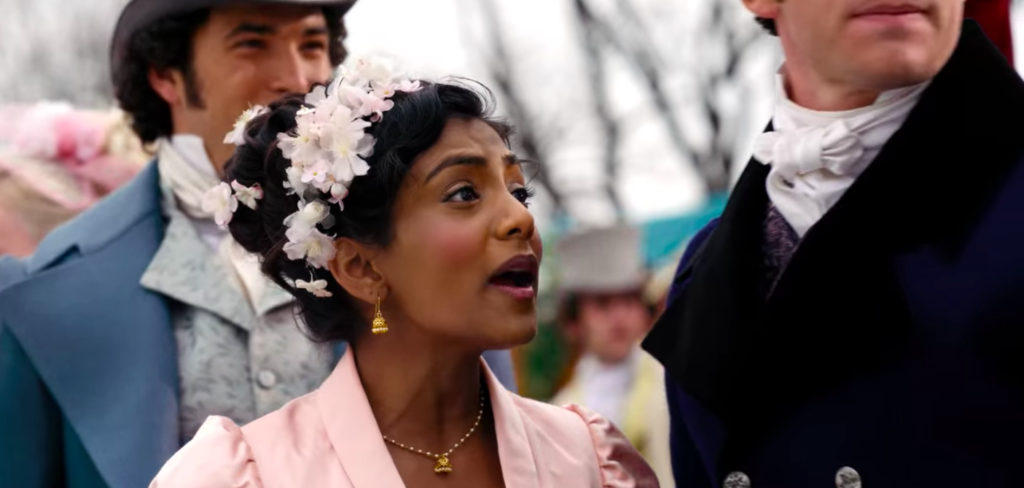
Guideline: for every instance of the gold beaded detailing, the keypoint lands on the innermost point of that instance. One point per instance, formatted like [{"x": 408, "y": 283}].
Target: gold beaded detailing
[
  {"x": 443, "y": 463},
  {"x": 380, "y": 326},
  {"x": 443, "y": 466}
]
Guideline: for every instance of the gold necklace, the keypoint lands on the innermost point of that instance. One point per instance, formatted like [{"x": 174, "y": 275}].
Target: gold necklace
[{"x": 444, "y": 464}]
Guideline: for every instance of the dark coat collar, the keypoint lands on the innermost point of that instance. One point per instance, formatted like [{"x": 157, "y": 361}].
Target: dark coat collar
[{"x": 928, "y": 187}]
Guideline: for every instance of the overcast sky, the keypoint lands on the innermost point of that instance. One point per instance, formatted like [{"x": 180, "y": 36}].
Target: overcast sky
[{"x": 428, "y": 37}]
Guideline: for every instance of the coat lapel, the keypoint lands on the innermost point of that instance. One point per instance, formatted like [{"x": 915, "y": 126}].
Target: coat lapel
[
  {"x": 11, "y": 270},
  {"x": 102, "y": 344},
  {"x": 274, "y": 297},
  {"x": 353, "y": 431},
  {"x": 518, "y": 463},
  {"x": 703, "y": 332},
  {"x": 185, "y": 269}
]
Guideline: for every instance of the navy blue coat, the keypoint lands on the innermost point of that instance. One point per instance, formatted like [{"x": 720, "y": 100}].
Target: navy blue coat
[{"x": 893, "y": 343}]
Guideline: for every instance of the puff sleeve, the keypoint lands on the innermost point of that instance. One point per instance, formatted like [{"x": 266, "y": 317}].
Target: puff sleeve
[
  {"x": 621, "y": 465},
  {"x": 217, "y": 457}
]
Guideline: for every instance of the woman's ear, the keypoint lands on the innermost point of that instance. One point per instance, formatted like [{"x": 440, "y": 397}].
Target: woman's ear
[{"x": 353, "y": 269}]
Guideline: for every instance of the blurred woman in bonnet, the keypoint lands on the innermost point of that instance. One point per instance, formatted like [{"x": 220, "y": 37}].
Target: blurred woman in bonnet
[{"x": 56, "y": 161}]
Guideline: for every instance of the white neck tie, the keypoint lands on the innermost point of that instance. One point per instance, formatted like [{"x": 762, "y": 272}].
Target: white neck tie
[
  {"x": 800, "y": 152},
  {"x": 816, "y": 156}
]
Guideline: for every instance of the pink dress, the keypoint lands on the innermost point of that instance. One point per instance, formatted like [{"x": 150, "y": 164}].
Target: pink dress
[{"x": 330, "y": 439}]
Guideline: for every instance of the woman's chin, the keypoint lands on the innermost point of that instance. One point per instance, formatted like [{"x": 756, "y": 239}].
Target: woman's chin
[
  {"x": 511, "y": 334},
  {"x": 526, "y": 335}
]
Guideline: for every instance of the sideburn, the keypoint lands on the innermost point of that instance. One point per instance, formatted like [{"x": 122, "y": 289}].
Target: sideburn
[{"x": 193, "y": 94}]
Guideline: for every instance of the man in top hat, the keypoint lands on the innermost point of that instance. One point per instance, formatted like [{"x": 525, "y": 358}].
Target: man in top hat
[
  {"x": 603, "y": 311},
  {"x": 141, "y": 317},
  {"x": 855, "y": 315}
]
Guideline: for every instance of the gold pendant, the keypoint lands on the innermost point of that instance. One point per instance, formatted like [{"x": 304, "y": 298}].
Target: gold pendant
[
  {"x": 443, "y": 466},
  {"x": 380, "y": 326}
]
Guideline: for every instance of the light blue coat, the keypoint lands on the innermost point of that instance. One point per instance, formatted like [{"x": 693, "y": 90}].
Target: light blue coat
[{"x": 88, "y": 359}]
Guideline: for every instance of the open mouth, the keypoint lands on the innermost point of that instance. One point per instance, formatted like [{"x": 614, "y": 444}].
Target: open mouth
[{"x": 517, "y": 277}]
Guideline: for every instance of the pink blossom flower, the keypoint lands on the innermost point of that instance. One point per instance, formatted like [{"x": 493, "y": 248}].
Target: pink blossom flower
[
  {"x": 328, "y": 149},
  {"x": 318, "y": 288},
  {"x": 294, "y": 183},
  {"x": 366, "y": 104},
  {"x": 221, "y": 203},
  {"x": 316, "y": 172},
  {"x": 247, "y": 195},
  {"x": 316, "y": 96},
  {"x": 408, "y": 86},
  {"x": 316, "y": 248},
  {"x": 389, "y": 90},
  {"x": 301, "y": 223},
  {"x": 374, "y": 69},
  {"x": 347, "y": 144},
  {"x": 237, "y": 134},
  {"x": 338, "y": 193},
  {"x": 345, "y": 169}
]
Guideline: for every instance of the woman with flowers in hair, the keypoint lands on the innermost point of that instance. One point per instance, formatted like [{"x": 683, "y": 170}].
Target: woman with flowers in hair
[{"x": 396, "y": 214}]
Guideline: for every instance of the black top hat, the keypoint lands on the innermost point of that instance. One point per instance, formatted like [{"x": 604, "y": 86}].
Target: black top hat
[{"x": 141, "y": 13}]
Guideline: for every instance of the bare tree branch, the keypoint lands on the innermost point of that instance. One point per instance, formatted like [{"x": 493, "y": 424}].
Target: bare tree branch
[
  {"x": 641, "y": 53},
  {"x": 625, "y": 32},
  {"x": 589, "y": 27},
  {"x": 499, "y": 66},
  {"x": 715, "y": 163},
  {"x": 737, "y": 44}
]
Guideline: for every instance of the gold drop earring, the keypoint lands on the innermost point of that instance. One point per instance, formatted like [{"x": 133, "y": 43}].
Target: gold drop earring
[{"x": 380, "y": 326}]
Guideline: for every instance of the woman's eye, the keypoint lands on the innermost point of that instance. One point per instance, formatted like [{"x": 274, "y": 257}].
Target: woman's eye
[
  {"x": 524, "y": 195},
  {"x": 463, "y": 194}
]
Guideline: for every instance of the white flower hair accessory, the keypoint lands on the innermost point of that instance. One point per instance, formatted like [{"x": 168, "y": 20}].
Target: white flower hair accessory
[
  {"x": 221, "y": 203},
  {"x": 237, "y": 135},
  {"x": 222, "y": 200},
  {"x": 247, "y": 195},
  {"x": 328, "y": 149},
  {"x": 317, "y": 287}
]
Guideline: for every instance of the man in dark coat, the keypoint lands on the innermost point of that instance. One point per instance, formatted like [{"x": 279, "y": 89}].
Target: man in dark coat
[{"x": 855, "y": 316}]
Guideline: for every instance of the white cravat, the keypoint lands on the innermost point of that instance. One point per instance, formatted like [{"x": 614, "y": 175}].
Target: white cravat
[
  {"x": 816, "y": 156},
  {"x": 606, "y": 387},
  {"x": 186, "y": 169}
]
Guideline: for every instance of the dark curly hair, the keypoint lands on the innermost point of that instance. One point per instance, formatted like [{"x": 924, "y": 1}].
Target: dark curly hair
[
  {"x": 167, "y": 44},
  {"x": 407, "y": 130}
]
